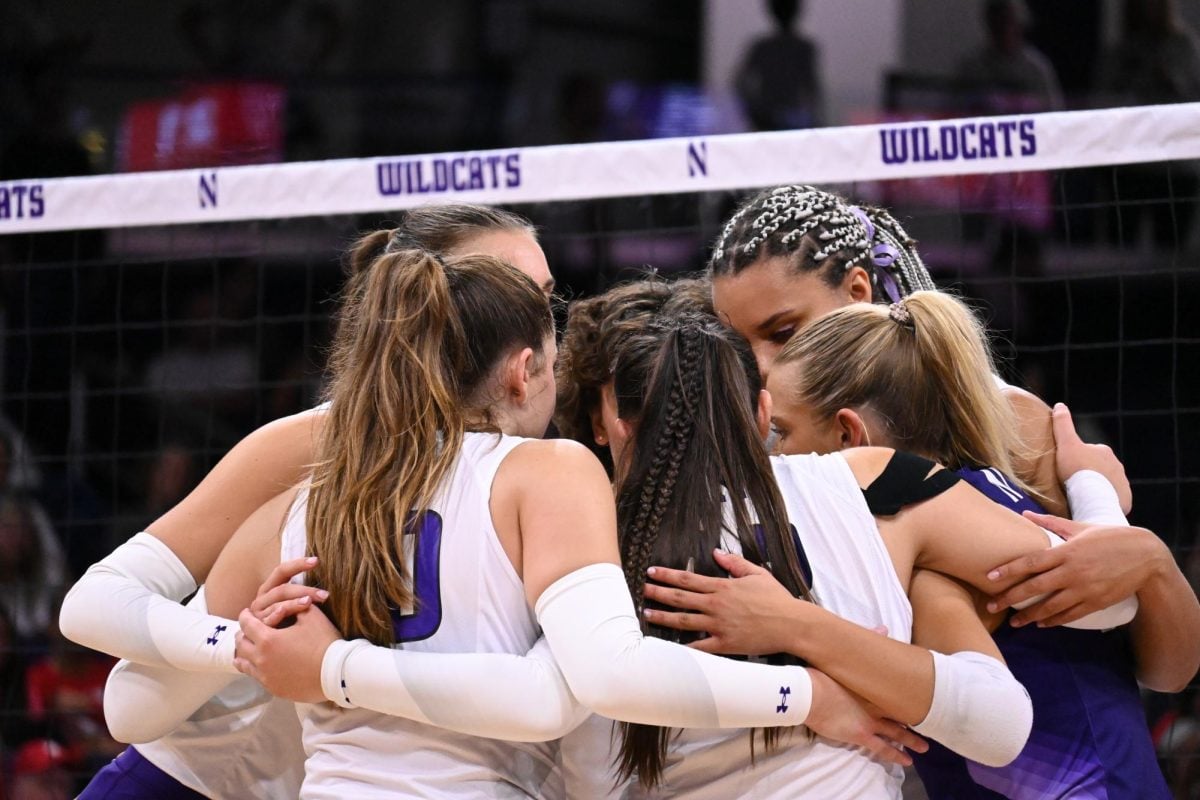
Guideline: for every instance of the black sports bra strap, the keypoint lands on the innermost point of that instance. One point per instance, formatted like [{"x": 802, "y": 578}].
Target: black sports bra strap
[{"x": 903, "y": 482}]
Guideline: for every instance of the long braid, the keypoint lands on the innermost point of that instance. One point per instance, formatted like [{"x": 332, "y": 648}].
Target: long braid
[
  {"x": 820, "y": 230},
  {"x": 690, "y": 384},
  {"x": 638, "y": 539}
]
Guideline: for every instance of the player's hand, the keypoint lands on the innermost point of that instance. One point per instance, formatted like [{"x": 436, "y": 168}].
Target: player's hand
[
  {"x": 839, "y": 715},
  {"x": 1097, "y": 567},
  {"x": 1072, "y": 454},
  {"x": 278, "y": 599},
  {"x": 749, "y": 613},
  {"x": 287, "y": 662}
]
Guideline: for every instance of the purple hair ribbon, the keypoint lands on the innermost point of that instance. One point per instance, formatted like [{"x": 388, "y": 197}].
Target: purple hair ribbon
[{"x": 883, "y": 256}]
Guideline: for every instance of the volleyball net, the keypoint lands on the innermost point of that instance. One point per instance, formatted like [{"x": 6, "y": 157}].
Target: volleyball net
[{"x": 150, "y": 320}]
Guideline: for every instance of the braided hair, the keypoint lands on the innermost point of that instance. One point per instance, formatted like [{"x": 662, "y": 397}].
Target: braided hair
[
  {"x": 692, "y": 386},
  {"x": 819, "y": 230}
]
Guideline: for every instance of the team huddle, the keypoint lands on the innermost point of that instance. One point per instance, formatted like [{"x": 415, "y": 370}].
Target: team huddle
[{"x": 795, "y": 535}]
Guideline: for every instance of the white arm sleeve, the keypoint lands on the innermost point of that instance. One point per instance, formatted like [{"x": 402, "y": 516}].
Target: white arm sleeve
[
  {"x": 1093, "y": 499},
  {"x": 143, "y": 703},
  {"x": 497, "y": 695},
  {"x": 589, "y": 620},
  {"x": 127, "y": 605},
  {"x": 979, "y": 710},
  {"x": 1119, "y": 613}
]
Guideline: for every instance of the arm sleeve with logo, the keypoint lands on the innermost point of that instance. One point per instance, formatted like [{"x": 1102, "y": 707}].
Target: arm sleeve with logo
[
  {"x": 127, "y": 605},
  {"x": 588, "y": 618}
]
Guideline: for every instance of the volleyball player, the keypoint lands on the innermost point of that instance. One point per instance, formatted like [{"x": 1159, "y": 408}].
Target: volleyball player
[
  {"x": 440, "y": 369},
  {"x": 667, "y": 500},
  {"x": 240, "y": 745},
  {"x": 790, "y": 254},
  {"x": 636, "y": 304},
  {"x": 837, "y": 384}
]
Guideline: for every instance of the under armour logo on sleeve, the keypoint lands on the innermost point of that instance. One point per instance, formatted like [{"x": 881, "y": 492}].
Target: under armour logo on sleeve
[
  {"x": 213, "y": 639},
  {"x": 784, "y": 691}
]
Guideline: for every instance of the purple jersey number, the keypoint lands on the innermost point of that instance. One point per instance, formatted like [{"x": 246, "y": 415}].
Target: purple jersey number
[
  {"x": 805, "y": 567},
  {"x": 426, "y": 616}
]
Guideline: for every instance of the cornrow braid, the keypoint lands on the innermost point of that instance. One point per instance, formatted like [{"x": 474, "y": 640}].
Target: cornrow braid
[
  {"x": 692, "y": 387},
  {"x": 639, "y": 538},
  {"x": 820, "y": 230}
]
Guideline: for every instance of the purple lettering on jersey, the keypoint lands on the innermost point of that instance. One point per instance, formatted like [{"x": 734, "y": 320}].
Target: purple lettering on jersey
[
  {"x": 760, "y": 537},
  {"x": 426, "y": 617}
]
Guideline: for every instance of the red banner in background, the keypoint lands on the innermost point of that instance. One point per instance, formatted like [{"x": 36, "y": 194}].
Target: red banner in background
[{"x": 209, "y": 125}]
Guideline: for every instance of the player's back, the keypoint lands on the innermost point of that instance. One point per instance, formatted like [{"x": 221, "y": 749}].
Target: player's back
[
  {"x": 469, "y": 599},
  {"x": 851, "y": 574}
]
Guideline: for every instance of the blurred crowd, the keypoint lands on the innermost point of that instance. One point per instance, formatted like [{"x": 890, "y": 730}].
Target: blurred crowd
[{"x": 126, "y": 376}]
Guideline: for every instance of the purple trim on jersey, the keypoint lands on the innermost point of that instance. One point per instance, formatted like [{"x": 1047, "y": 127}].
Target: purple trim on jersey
[
  {"x": 999, "y": 488},
  {"x": 130, "y": 776},
  {"x": 1089, "y": 737}
]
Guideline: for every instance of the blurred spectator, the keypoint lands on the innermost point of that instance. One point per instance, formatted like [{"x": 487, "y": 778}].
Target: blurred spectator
[
  {"x": 40, "y": 772},
  {"x": 14, "y": 722},
  {"x": 779, "y": 81},
  {"x": 1012, "y": 74},
  {"x": 168, "y": 479},
  {"x": 17, "y": 471},
  {"x": 66, "y": 696},
  {"x": 205, "y": 362},
  {"x": 1177, "y": 738},
  {"x": 31, "y": 567},
  {"x": 1157, "y": 60},
  {"x": 295, "y": 389}
]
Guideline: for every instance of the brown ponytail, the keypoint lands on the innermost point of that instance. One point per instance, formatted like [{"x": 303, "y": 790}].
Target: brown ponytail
[{"x": 413, "y": 353}]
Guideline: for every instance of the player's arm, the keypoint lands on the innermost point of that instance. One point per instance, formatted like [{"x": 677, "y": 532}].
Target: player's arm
[
  {"x": 963, "y": 534},
  {"x": 120, "y": 602},
  {"x": 1105, "y": 560},
  {"x": 569, "y": 565},
  {"x": 961, "y": 695},
  {"x": 144, "y": 702}
]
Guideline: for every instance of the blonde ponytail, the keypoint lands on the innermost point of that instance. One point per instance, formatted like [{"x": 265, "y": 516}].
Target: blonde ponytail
[{"x": 922, "y": 365}]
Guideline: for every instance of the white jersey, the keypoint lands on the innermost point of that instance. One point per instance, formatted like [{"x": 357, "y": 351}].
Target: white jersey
[
  {"x": 243, "y": 743},
  {"x": 853, "y": 577},
  {"x": 470, "y": 600}
]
